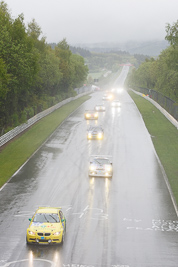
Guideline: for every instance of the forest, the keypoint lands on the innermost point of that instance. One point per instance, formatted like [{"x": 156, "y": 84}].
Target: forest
[
  {"x": 33, "y": 76},
  {"x": 161, "y": 73}
]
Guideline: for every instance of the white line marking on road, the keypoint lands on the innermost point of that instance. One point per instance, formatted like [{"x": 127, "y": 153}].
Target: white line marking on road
[
  {"x": 86, "y": 208},
  {"x": 3, "y": 186},
  {"x": 69, "y": 209},
  {"x": 27, "y": 260}
]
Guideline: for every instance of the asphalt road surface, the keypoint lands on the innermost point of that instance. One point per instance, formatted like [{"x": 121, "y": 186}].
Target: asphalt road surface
[{"x": 126, "y": 221}]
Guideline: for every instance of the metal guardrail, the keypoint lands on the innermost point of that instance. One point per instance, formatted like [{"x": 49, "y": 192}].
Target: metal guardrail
[
  {"x": 163, "y": 111},
  {"x": 165, "y": 102},
  {"x": 19, "y": 129}
]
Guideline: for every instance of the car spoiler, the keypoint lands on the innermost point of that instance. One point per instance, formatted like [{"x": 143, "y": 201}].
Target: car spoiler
[
  {"x": 104, "y": 156},
  {"x": 101, "y": 156},
  {"x": 48, "y": 207},
  {"x": 93, "y": 126}
]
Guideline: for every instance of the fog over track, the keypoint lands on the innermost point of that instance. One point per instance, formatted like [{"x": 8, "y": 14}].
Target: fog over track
[{"x": 128, "y": 220}]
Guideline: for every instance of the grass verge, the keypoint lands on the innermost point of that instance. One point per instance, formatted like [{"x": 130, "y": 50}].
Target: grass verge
[
  {"x": 164, "y": 137},
  {"x": 17, "y": 152}
]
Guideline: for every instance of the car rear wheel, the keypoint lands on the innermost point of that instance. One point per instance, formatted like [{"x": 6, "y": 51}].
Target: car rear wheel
[{"x": 62, "y": 242}]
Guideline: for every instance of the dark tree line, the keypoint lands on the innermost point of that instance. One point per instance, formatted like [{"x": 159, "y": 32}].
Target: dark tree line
[
  {"x": 160, "y": 74},
  {"x": 33, "y": 76}
]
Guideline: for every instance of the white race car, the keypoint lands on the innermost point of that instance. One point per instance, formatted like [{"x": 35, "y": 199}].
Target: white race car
[
  {"x": 95, "y": 132},
  {"x": 100, "y": 107},
  {"x": 107, "y": 96},
  {"x": 100, "y": 165},
  {"x": 116, "y": 103}
]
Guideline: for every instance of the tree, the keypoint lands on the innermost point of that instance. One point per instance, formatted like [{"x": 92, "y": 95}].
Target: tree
[
  {"x": 172, "y": 38},
  {"x": 4, "y": 80},
  {"x": 79, "y": 70},
  {"x": 62, "y": 51},
  {"x": 172, "y": 34},
  {"x": 49, "y": 75},
  {"x": 32, "y": 75}
]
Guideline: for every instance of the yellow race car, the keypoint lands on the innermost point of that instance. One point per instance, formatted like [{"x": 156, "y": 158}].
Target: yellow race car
[{"x": 47, "y": 226}]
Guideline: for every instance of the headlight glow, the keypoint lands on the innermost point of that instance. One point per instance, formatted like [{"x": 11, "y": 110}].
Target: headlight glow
[
  {"x": 92, "y": 168},
  {"x": 96, "y": 115},
  {"x": 100, "y": 135},
  {"x": 108, "y": 168},
  {"x": 120, "y": 90},
  {"x": 57, "y": 233},
  {"x": 31, "y": 233}
]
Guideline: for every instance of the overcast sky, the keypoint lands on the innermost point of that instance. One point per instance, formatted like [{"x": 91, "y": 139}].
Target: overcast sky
[{"x": 93, "y": 21}]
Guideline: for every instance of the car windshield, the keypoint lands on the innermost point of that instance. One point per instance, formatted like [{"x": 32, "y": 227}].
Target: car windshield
[
  {"x": 90, "y": 112},
  {"x": 101, "y": 161},
  {"x": 95, "y": 129},
  {"x": 46, "y": 217}
]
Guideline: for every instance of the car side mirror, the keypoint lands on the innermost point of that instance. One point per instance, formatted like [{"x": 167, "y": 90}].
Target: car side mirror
[
  {"x": 63, "y": 220},
  {"x": 30, "y": 219}
]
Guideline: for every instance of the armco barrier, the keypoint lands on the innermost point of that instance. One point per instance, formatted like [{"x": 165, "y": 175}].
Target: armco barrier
[
  {"x": 163, "y": 111},
  {"x": 164, "y": 101},
  {"x": 19, "y": 129}
]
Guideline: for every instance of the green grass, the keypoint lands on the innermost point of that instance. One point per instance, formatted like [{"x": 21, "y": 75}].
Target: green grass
[
  {"x": 95, "y": 75},
  {"x": 17, "y": 152},
  {"x": 164, "y": 137}
]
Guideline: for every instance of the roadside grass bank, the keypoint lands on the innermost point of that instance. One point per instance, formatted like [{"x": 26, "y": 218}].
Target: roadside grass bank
[
  {"x": 164, "y": 136},
  {"x": 17, "y": 152}
]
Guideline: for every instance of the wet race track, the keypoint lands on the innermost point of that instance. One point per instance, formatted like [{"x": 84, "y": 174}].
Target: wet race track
[{"x": 128, "y": 220}]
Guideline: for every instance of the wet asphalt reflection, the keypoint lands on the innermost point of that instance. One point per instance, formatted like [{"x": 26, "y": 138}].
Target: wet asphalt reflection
[{"x": 127, "y": 220}]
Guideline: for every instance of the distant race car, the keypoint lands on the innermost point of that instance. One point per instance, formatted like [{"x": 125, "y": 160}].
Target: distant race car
[
  {"x": 47, "y": 226},
  {"x": 100, "y": 107},
  {"x": 116, "y": 103},
  {"x": 95, "y": 132},
  {"x": 101, "y": 166},
  {"x": 91, "y": 115},
  {"x": 107, "y": 96}
]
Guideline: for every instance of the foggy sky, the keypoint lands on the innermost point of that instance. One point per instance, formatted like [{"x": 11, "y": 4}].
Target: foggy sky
[{"x": 94, "y": 21}]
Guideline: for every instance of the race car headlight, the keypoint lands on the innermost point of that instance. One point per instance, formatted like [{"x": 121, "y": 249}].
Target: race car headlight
[
  {"x": 57, "y": 233},
  {"x": 109, "y": 168},
  {"x": 100, "y": 135},
  {"x": 89, "y": 135},
  {"x": 87, "y": 115},
  {"x": 31, "y": 233},
  {"x": 92, "y": 168},
  {"x": 96, "y": 115},
  {"x": 120, "y": 90}
]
